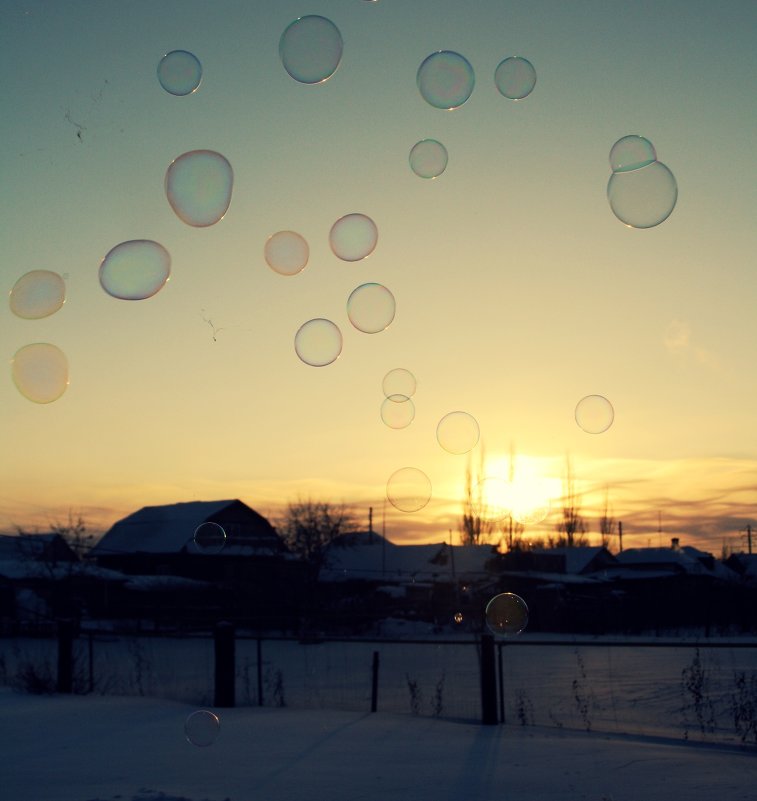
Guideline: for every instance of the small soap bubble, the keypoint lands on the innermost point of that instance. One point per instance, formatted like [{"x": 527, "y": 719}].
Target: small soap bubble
[
  {"x": 397, "y": 411},
  {"x": 594, "y": 414},
  {"x": 457, "y": 432},
  {"x": 202, "y": 728},
  {"x": 198, "y": 186},
  {"x": 631, "y": 152},
  {"x": 458, "y": 618},
  {"x": 310, "y": 49},
  {"x": 353, "y": 237},
  {"x": 209, "y": 537},
  {"x": 286, "y": 252},
  {"x": 428, "y": 158},
  {"x": 37, "y": 294},
  {"x": 318, "y": 342},
  {"x": 408, "y": 489},
  {"x": 506, "y": 614},
  {"x": 40, "y": 372},
  {"x": 179, "y": 72},
  {"x": 645, "y": 197},
  {"x": 445, "y": 79},
  {"x": 399, "y": 381},
  {"x": 135, "y": 270},
  {"x": 515, "y": 77},
  {"x": 371, "y": 308}
]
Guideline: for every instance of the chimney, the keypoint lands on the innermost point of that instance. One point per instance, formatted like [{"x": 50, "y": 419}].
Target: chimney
[{"x": 674, "y": 543}]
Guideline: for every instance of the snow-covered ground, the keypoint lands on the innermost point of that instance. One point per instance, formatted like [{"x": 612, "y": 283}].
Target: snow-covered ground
[{"x": 71, "y": 748}]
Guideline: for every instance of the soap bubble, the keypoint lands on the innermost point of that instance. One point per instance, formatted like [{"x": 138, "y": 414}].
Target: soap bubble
[
  {"x": 318, "y": 342},
  {"x": 457, "y": 432},
  {"x": 594, "y": 414},
  {"x": 515, "y": 77},
  {"x": 493, "y": 499},
  {"x": 631, "y": 152},
  {"x": 506, "y": 614},
  {"x": 286, "y": 252},
  {"x": 445, "y": 79},
  {"x": 397, "y": 411},
  {"x": 428, "y": 158},
  {"x": 179, "y": 72},
  {"x": 209, "y": 537},
  {"x": 399, "y": 382},
  {"x": 643, "y": 198},
  {"x": 353, "y": 237},
  {"x": 198, "y": 187},
  {"x": 37, "y": 294},
  {"x": 201, "y": 728},
  {"x": 40, "y": 372},
  {"x": 311, "y": 49},
  {"x": 371, "y": 308},
  {"x": 408, "y": 489},
  {"x": 135, "y": 270},
  {"x": 458, "y": 618}
]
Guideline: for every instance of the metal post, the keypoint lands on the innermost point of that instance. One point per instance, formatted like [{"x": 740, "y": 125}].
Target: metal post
[
  {"x": 260, "y": 672},
  {"x": 501, "y": 683},
  {"x": 224, "y": 676},
  {"x": 91, "y": 663},
  {"x": 374, "y": 681},
  {"x": 65, "y": 683},
  {"x": 488, "y": 681}
]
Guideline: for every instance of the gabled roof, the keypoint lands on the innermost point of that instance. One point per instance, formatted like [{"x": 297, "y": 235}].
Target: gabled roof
[
  {"x": 577, "y": 558},
  {"x": 34, "y": 546},
  {"x": 170, "y": 529}
]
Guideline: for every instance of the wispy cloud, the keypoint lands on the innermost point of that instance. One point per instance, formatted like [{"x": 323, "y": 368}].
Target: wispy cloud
[{"x": 678, "y": 342}]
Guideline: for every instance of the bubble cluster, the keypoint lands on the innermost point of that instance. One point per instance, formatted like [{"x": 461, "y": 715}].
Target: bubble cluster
[
  {"x": 209, "y": 537},
  {"x": 445, "y": 79},
  {"x": 397, "y": 411},
  {"x": 399, "y": 381},
  {"x": 318, "y": 342},
  {"x": 286, "y": 252},
  {"x": 594, "y": 414},
  {"x": 506, "y": 614},
  {"x": 515, "y": 77},
  {"x": 135, "y": 270},
  {"x": 37, "y": 294},
  {"x": 428, "y": 158},
  {"x": 198, "y": 186},
  {"x": 179, "y": 72},
  {"x": 202, "y": 728},
  {"x": 457, "y": 432},
  {"x": 353, "y": 237},
  {"x": 642, "y": 191},
  {"x": 310, "y": 49},
  {"x": 40, "y": 372},
  {"x": 371, "y": 308},
  {"x": 408, "y": 489}
]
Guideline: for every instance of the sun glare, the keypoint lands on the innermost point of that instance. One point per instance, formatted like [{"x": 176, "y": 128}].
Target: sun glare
[{"x": 519, "y": 488}]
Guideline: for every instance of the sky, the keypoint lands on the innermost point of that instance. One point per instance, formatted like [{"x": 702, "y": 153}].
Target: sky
[{"x": 518, "y": 291}]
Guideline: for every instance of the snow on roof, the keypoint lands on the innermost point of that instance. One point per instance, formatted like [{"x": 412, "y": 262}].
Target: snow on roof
[
  {"x": 678, "y": 559},
  {"x": 376, "y": 559},
  {"x": 23, "y": 568}
]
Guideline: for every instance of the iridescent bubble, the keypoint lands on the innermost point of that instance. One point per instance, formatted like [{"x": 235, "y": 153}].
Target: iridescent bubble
[
  {"x": 311, "y": 49},
  {"x": 209, "y": 537},
  {"x": 353, "y": 237},
  {"x": 408, "y": 489},
  {"x": 135, "y": 270},
  {"x": 179, "y": 72},
  {"x": 631, "y": 152},
  {"x": 318, "y": 342},
  {"x": 458, "y": 618},
  {"x": 594, "y": 414},
  {"x": 40, "y": 372},
  {"x": 428, "y": 158},
  {"x": 202, "y": 728},
  {"x": 397, "y": 411},
  {"x": 457, "y": 432},
  {"x": 286, "y": 252},
  {"x": 445, "y": 79},
  {"x": 198, "y": 187},
  {"x": 506, "y": 614},
  {"x": 371, "y": 308},
  {"x": 643, "y": 198},
  {"x": 37, "y": 294},
  {"x": 515, "y": 77},
  {"x": 399, "y": 381}
]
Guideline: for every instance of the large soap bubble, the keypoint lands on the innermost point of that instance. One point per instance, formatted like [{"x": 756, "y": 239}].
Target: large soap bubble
[
  {"x": 458, "y": 432},
  {"x": 397, "y": 411},
  {"x": 40, "y": 372},
  {"x": 202, "y": 728},
  {"x": 311, "y": 49},
  {"x": 135, "y": 270},
  {"x": 631, "y": 152},
  {"x": 445, "y": 79},
  {"x": 594, "y": 414},
  {"x": 209, "y": 537},
  {"x": 37, "y": 294},
  {"x": 408, "y": 489},
  {"x": 179, "y": 72},
  {"x": 198, "y": 186},
  {"x": 506, "y": 614},
  {"x": 371, "y": 308},
  {"x": 399, "y": 381},
  {"x": 515, "y": 77},
  {"x": 286, "y": 252},
  {"x": 428, "y": 158},
  {"x": 318, "y": 342},
  {"x": 353, "y": 237},
  {"x": 645, "y": 197}
]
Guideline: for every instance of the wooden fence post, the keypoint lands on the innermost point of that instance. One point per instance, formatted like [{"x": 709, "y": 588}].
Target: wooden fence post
[
  {"x": 65, "y": 683},
  {"x": 488, "y": 681},
  {"x": 374, "y": 681},
  {"x": 223, "y": 637}
]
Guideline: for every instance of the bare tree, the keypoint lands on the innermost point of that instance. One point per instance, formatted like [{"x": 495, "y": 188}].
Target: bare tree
[
  {"x": 571, "y": 529},
  {"x": 607, "y": 524},
  {"x": 475, "y": 525}
]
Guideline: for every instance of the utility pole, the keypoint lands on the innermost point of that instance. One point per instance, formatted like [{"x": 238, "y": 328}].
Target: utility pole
[
  {"x": 370, "y": 524},
  {"x": 620, "y": 535},
  {"x": 749, "y": 537}
]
